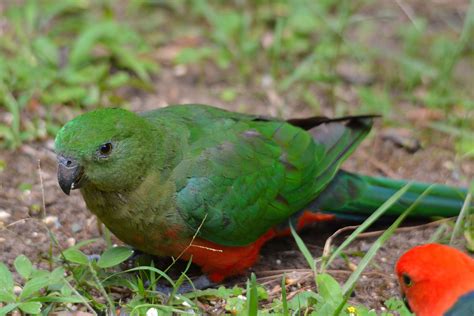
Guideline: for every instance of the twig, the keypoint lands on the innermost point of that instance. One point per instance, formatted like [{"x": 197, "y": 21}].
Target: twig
[
  {"x": 174, "y": 260},
  {"x": 408, "y": 12},
  {"x": 207, "y": 248},
  {"x": 20, "y": 221},
  {"x": 327, "y": 244},
  {"x": 281, "y": 271},
  {"x": 43, "y": 213},
  {"x": 402, "y": 229},
  {"x": 101, "y": 288},
  {"x": 293, "y": 294},
  {"x": 84, "y": 301},
  {"x": 192, "y": 240}
]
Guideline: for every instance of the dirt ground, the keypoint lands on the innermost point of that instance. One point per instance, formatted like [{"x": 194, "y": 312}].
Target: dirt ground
[{"x": 22, "y": 231}]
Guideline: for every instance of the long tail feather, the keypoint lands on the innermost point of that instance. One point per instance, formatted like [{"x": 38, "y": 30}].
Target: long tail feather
[{"x": 352, "y": 194}]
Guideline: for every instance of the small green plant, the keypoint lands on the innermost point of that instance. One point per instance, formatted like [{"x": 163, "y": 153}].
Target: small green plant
[
  {"x": 40, "y": 290},
  {"x": 60, "y": 54},
  {"x": 102, "y": 275}
]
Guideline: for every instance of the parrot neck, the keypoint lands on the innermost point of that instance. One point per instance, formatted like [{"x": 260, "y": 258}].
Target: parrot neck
[
  {"x": 148, "y": 207},
  {"x": 149, "y": 212},
  {"x": 170, "y": 140}
]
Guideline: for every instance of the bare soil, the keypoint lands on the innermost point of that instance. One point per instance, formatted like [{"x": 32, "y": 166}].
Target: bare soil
[{"x": 22, "y": 191}]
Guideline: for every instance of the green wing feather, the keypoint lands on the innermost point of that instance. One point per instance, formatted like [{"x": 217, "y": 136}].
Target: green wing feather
[{"x": 242, "y": 175}]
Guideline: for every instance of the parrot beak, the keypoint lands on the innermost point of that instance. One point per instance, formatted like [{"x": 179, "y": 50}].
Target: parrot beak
[
  {"x": 69, "y": 174},
  {"x": 405, "y": 300}
]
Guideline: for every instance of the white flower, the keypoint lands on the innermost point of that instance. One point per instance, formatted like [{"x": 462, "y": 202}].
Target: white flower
[
  {"x": 152, "y": 312},
  {"x": 241, "y": 297},
  {"x": 186, "y": 304}
]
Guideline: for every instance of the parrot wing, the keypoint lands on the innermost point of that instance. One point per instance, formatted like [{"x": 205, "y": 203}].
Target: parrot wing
[
  {"x": 464, "y": 306},
  {"x": 240, "y": 177}
]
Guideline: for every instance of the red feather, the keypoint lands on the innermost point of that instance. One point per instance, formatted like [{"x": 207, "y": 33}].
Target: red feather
[{"x": 220, "y": 262}]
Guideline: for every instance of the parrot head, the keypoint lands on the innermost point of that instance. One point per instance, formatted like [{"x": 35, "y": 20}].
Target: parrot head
[
  {"x": 433, "y": 276},
  {"x": 97, "y": 147}
]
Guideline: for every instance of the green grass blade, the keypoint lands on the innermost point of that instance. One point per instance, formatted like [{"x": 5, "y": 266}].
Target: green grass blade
[
  {"x": 463, "y": 215},
  {"x": 144, "y": 268},
  {"x": 180, "y": 281},
  {"x": 100, "y": 287},
  {"x": 350, "y": 284},
  {"x": 369, "y": 221},
  {"x": 252, "y": 296},
  {"x": 378, "y": 243},
  {"x": 304, "y": 250}
]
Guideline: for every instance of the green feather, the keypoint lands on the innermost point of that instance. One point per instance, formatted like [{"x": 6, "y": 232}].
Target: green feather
[{"x": 357, "y": 194}]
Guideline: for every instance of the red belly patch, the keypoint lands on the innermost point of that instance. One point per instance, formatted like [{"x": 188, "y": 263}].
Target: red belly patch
[{"x": 219, "y": 262}]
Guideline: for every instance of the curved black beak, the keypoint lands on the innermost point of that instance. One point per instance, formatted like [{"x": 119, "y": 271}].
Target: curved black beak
[
  {"x": 69, "y": 174},
  {"x": 405, "y": 300}
]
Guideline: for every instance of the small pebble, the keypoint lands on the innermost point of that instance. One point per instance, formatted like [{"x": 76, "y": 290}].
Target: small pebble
[
  {"x": 180, "y": 70},
  {"x": 448, "y": 165},
  {"x": 8, "y": 118},
  {"x": 289, "y": 281},
  {"x": 267, "y": 81},
  {"x": 51, "y": 221},
  {"x": 4, "y": 215},
  {"x": 17, "y": 290},
  {"x": 70, "y": 242},
  {"x": 278, "y": 261},
  {"x": 35, "y": 210},
  {"x": 2, "y": 239},
  {"x": 352, "y": 266},
  {"x": 76, "y": 227},
  {"x": 50, "y": 144},
  {"x": 267, "y": 39}
]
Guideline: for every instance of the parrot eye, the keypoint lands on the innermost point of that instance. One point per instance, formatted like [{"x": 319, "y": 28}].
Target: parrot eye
[
  {"x": 407, "y": 280},
  {"x": 105, "y": 149}
]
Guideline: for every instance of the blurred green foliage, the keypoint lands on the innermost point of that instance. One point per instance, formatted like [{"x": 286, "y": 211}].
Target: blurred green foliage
[
  {"x": 63, "y": 53},
  {"x": 348, "y": 56}
]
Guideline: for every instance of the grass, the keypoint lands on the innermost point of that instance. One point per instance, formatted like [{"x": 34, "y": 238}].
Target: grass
[
  {"x": 82, "y": 54},
  {"x": 67, "y": 53},
  {"x": 101, "y": 286},
  {"x": 59, "y": 58}
]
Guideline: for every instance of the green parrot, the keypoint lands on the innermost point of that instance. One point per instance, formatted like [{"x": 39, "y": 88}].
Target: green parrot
[{"x": 201, "y": 182}]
